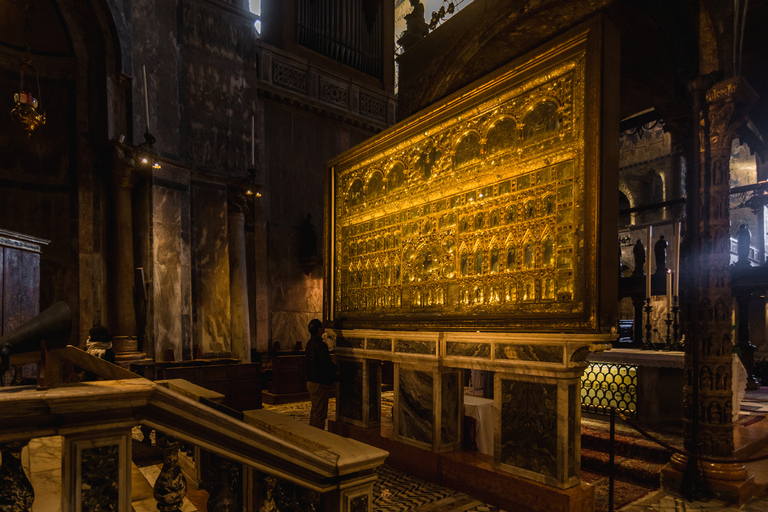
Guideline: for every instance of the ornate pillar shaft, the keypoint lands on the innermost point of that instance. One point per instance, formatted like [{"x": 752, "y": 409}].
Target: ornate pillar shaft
[
  {"x": 719, "y": 120},
  {"x": 238, "y": 281}
]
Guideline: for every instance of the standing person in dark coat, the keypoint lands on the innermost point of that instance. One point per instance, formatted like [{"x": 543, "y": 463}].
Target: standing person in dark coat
[{"x": 321, "y": 374}]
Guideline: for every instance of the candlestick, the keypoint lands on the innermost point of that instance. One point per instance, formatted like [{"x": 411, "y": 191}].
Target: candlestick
[
  {"x": 253, "y": 142},
  {"x": 677, "y": 258},
  {"x": 146, "y": 96},
  {"x": 648, "y": 235},
  {"x": 669, "y": 290}
]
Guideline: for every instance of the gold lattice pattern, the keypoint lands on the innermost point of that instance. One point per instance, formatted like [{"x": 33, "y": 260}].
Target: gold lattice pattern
[{"x": 605, "y": 385}]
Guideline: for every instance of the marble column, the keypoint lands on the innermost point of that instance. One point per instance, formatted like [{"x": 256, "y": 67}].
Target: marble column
[
  {"x": 359, "y": 400},
  {"x": 122, "y": 316},
  {"x": 720, "y": 111},
  {"x": 238, "y": 281}
]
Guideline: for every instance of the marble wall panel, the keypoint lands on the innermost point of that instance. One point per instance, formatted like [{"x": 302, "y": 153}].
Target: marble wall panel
[
  {"x": 415, "y": 400},
  {"x": 450, "y": 387},
  {"x": 455, "y": 348},
  {"x": 156, "y": 45},
  {"x": 529, "y": 426},
  {"x": 170, "y": 257},
  {"x": 379, "y": 344},
  {"x": 349, "y": 342},
  {"x": 300, "y": 144},
  {"x": 415, "y": 347},
  {"x": 288, "y": 327},
  {"x": 350, "y": 404},
  {"x": 210, "y": 274},
  {"x": 542, "y": 353}
]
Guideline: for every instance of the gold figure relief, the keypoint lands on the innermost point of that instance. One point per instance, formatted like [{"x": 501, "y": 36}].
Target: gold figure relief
[{"x": 477, "y": 214}]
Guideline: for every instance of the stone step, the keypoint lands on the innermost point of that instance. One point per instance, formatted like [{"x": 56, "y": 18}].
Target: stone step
[{"x": 630, "y": 469}]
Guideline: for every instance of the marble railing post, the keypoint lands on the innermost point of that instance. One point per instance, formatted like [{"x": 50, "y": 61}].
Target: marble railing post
[
  {"x": 122, "y": 316},
  {"x": 170, "y": 486},
  {"x": 238, "y": 281},
  {"x": 16, "y": 492},
  {"x": 223, "y": 497}
]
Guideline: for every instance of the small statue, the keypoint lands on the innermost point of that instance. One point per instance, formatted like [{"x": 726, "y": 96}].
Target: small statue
[
  {"x": 660, "y": 251},
  {"x": 638, "y": 251},
  {"x": 415, "y": 26},
  {"x": 743, "y": 239},
  {"x": 308, "y": 238}
]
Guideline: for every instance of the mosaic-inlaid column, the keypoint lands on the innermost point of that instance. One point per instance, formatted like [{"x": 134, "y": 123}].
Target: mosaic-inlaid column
[
  {"x": 428, "y": 410},
  {"x": 359, "y": 400},
  {"x": 538, "y": 427}
]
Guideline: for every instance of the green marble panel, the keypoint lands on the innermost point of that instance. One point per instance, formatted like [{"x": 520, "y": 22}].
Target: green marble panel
[
  {"x": 457, "y": 348},
  {"x": 415, "y": 413},
  {"x": 541, "y": 353},
  {"x": 350, "y": 404},
  {"x": 343, "y": 341},
  {"x": 379, "y": 344},
  {"x": 449, "y": 421},
  {"x": 415, "y": 347},
  {"x": 100, "y": 473},
  {"x": 529, "y": 426}
]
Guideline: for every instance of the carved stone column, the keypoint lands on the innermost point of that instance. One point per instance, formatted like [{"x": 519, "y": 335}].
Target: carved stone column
[
  {"x": 708, "y": 391},
  {"x": 238, "y": 279},
  {"x": 122, "y": 316},
  {"x": 16, "y": 492}
]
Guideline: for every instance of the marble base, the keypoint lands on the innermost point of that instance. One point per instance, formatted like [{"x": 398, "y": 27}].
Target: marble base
[
  {"x": 428, "y": 409},
  {"x": 730, "y": 483},
  {"x": 127, "y": 351},
  {"x": 473, "y": 474}
]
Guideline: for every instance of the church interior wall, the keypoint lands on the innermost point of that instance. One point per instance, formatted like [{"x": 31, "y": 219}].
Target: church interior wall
[{"x": 300, "y": 143}]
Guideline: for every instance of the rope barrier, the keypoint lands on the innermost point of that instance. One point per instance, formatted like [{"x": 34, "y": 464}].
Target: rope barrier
[{"x": 674, "y": 449}]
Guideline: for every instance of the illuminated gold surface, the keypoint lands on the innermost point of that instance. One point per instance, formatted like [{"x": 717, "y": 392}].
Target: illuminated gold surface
[{"x": 474, "y": 210}]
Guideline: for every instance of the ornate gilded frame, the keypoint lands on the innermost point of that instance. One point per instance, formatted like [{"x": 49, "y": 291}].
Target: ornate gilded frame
[{"x": 491, "y": 210}]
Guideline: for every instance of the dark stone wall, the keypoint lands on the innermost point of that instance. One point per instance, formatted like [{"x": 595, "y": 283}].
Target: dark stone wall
[{"x": 299, "y": 145}]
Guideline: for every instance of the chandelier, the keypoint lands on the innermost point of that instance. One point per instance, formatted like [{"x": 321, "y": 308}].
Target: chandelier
[{"x": 27, "y": 110}]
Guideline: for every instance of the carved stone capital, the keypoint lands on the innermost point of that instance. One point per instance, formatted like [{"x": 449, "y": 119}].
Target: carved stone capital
[
  {"x": 121, "y": 163},
  {"x": 729, "y": 102},
  {"x": 237, "y": 201}
]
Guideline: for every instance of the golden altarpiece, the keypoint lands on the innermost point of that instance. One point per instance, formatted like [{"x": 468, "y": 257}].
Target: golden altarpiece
[{"x": 471, "y": 235}]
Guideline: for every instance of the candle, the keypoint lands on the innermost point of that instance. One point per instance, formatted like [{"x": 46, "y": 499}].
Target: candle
[
  {"x": 678, "y": 227},
  {"x": 253, "y": 142},
  {"x": 146, "y": 96},
  {"x": 648, "y": 235},
  {"x": 669, "y": 291}
]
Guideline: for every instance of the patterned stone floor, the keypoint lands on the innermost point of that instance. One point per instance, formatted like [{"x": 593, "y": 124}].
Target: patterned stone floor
[{"x": 398, "y": 492}]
